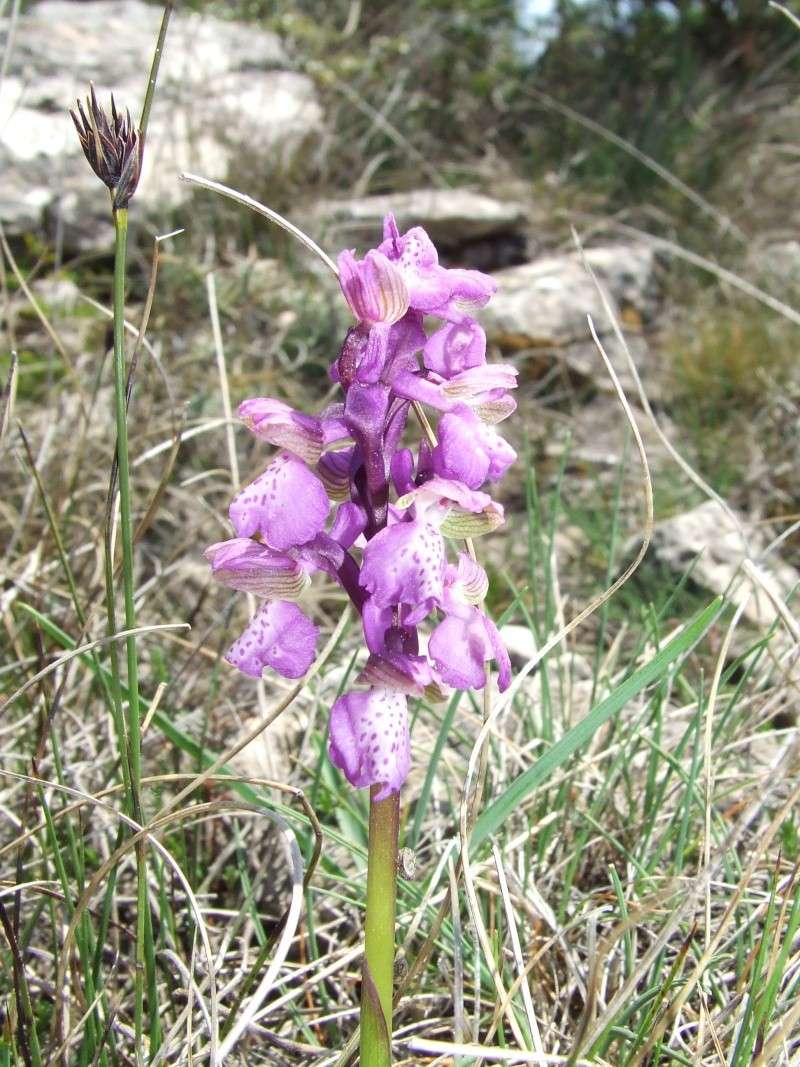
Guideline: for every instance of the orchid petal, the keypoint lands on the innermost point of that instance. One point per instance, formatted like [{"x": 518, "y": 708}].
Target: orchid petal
[
  {"x": 334, "y": 473},
  {"x": 374, "y": 287},
  {"x": 279, "y": 636},
  {"x": 287, "y": 504},
  {"x": 348, "y": 524},
  {"x": 396, "y": 670},
  {"x": 461, "y": 644},
  {"x": 369, "y": 739},
  {"x": 456, "y": 347},
  {"x": 405, "y": 564},
  {"x": 276, "y": 422},
  {"x": 470, "y": 451},
  {"x": 251, "y": 567}
]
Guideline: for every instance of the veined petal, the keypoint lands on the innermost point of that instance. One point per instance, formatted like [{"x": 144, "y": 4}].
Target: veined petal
[
  {"x": 276, "y": 422},
  {"x": 397, "y": 670},
  {"x": 474, "y": 381},
  {"x": 456, "y": 509},
  {"x": 251, "y": 567},
  {"x": 468, "y": 582},
  {"x": 374, "y": 287},
  {"x": 279, "y": 636},
  {"x": 334, "y": 472},
  {"x": 443, "y": 493},
  {"x": 494, "y": 406},
  {"x": 369, "y": 739},
  {"x": 287, "y": 504}
]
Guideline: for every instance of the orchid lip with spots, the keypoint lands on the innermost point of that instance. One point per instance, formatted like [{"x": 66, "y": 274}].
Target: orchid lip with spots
[{"x": 344, "y": 495}]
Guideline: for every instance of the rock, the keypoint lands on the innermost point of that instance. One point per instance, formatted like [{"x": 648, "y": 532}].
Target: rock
[
  {"x": 57, "y": 293},
  {"x": 452, "y": 217},
  {"x": 223, "y": 99},
  {"x": 706, "y": 533},
  {"x": 596, "y": 437},
  {"x": 585, "y": 367},
  {"x": 519, "y": 641},
  {"x": 777, "y": 263},
  {"x": 546, "y": 302}
]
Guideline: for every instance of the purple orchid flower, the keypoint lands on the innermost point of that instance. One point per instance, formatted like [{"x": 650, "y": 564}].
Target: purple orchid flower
[{"x": 389, "y": 553}]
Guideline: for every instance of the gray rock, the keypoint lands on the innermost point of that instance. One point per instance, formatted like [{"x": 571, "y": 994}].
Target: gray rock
[
  {"x": 451, "y": 217},
  {"x": 597, "y": 437},
  {"x": 582, "y": 362},
  {"x": 546, "y": 302},
  {"x": 222, "y": 100},
  {"x": 708, "y": 533},
  {"x": 777, "y": 263}
]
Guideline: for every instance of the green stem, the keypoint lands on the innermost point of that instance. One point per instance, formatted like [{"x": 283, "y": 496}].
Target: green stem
[
  {"x": 378, "y": 974},
  {"x": 156, "y": 63},
  {"x": 123, "y": 474},
  {"x": 145, "y": 956}
]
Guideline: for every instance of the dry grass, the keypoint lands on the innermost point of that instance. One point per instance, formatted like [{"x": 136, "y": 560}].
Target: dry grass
[{"x": 630, "y": 897}]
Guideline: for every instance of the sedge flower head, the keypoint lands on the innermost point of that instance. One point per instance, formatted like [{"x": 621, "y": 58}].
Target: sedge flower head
[{"x": 113, "y": 147}]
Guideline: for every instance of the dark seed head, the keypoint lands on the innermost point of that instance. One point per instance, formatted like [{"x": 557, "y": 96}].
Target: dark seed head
[{"x": 113, "y": 148}]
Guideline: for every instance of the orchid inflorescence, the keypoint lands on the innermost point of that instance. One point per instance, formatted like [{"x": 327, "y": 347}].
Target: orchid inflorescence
[{"x": 390, "y": 558}]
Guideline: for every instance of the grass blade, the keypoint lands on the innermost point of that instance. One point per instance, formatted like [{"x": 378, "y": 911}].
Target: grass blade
[{"x": 503, "y": 807}]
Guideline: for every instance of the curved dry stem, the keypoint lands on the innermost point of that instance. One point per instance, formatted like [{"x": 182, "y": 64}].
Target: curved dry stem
[
  {"x": 725, "y": 223},
  {"x": 48, "y": 327},
  {"x": 141, "y": 834},
  {"x": 686, "y": 467},
  {"x": 262, "y": 209},
  {"x": 161, "y": 779}
]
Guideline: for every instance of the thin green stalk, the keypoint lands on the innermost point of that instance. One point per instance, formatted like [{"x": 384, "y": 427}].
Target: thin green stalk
[
  {"x": 123, "y": 475},
  {"x": 145, "y": 955},
  {"x": 378, "y": 972},
  {"x": 156, "y": 63}
]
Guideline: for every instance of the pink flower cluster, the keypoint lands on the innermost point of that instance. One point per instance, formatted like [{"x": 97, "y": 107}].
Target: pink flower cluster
[{"x": 324, "y": 503}]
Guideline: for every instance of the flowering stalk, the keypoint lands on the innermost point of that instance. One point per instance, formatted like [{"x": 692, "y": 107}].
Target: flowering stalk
[
  {"x": 385, "y": 544},
  {"x": 113, "y": 148}
]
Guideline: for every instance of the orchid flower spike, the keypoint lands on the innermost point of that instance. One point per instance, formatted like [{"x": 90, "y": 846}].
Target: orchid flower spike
[{"x": 345, "y": 496}]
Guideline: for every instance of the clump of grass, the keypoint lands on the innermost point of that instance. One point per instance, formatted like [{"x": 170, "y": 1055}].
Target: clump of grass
[
  {"x": 727, "y": 366},
  {"x": 726, "y": 360}
]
